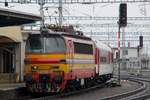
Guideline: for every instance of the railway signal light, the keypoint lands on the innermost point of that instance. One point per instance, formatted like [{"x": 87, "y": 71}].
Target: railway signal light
[
  {"x": 141, "y": 41},
  {"x": 6, "y": 4},
  {"x": 123, "y": 15}
]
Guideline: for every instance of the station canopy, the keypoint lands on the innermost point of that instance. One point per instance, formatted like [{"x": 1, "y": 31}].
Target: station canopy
[{"x": 11, "y": 17}]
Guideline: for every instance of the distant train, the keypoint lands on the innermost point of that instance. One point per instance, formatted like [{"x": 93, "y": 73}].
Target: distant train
[{"x": 56, "y": 61}]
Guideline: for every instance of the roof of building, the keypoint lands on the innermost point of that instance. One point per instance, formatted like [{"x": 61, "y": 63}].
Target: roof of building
[
  {"x": 127, "y": 48},
  {"x": 11, "y": 17}
]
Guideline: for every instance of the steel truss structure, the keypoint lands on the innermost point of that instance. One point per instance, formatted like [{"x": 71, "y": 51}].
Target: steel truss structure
[
  {"x": 110, "y": 36},
  {"x": 74, "y": 1},
  {"x": 111, "y": 25},
  {"x": 98, "y": 18},
  {"x": 114, "y": 33},
  {"x": 130, "y": 37},
  {"x": 103, "y": 36}
]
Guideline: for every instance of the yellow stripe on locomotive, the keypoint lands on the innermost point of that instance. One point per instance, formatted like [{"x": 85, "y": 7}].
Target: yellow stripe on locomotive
[{"x": 52, "y": 61}]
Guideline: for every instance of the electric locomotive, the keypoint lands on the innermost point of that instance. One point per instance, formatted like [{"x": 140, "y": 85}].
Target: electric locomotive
[{"x": 60, "y": 59}]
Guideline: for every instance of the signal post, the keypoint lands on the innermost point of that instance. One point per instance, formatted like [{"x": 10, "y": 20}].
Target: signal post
[{"x": 122, "y": 23}]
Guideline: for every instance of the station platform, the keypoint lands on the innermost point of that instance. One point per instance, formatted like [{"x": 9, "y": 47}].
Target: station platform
[{"x": 11, "y": 86}]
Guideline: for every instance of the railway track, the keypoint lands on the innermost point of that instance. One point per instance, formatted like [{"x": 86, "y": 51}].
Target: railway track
[
  {"x": 53, "y": 97},
  {"x": 22, "y": 94},
  {"x": 141, "y": 93},
  {"x": 124, "y": 96},
  {"x": 146, "y": 94},
  {"x": 139, "y": 90}
]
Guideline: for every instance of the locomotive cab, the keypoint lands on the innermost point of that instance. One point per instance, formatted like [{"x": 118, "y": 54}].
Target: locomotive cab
[
  {"x": 45, "y": 62},
  {"x": 61, "y": 60}
]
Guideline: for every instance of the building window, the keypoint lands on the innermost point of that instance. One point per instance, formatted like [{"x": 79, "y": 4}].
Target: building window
[{"x": 125, "y": 52}]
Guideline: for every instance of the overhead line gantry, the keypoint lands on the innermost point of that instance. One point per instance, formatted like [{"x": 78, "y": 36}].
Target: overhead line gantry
[
  {"x": 111, "y": 25},
  {"x": 98, "y": 18},
  {"x": 74, "y": 1}
]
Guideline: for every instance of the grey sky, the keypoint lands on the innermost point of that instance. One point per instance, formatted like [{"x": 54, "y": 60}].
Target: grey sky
[
  {"x": 134, "y": 9},
  {"x": 102, "y": 10}
]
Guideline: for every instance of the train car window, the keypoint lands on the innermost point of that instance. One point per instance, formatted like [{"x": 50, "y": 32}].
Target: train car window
[
  {"x": 55, "y": 45},
  {"x": 112, "y": 57},
  {"x": 125, "y": 52},
  {"x": 34, "y": 44},
  {"x": 108, "y": 58},
  {"x": 103, "y": 59},
  {"x": 103, "y": 56},
  {"x": 83, "y": 48}
]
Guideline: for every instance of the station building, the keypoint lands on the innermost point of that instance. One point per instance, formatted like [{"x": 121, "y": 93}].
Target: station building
[
  {"x": 129, "y": 57},
  {"x": 135, "y": 61},
  {"x": 12, "y": 45}
]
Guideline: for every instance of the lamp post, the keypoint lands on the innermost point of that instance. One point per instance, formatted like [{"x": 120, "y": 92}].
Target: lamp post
[
  {"x": 60, "y": 12},
  {"x": 119, "y": 54}
]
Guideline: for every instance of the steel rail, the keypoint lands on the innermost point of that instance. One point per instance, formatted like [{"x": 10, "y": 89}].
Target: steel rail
[
  {"x": 142, "y": 96},
  {"x": 70, "y": 93},
  {"x": 141, "y": 79},
  {"x": 143, "y": 87},
  {"x": 127, "y": 94}
]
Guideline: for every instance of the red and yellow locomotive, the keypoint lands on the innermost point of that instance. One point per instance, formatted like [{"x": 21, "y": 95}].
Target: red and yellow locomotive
[{"x": 55, "y": 61}]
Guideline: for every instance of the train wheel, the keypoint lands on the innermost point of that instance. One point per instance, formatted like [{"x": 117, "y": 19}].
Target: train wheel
[
  {"x": 63, "y": 85},
  {"x": 88, "y": 82},
  {"x": 73, "y": 85}
]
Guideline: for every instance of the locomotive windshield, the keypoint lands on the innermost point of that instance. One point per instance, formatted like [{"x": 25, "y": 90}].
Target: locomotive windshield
[
  {"x": 50, "y": 44},
  {"x": 55, "y": 44}
]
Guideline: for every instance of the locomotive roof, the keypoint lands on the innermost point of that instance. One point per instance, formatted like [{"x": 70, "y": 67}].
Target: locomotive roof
[
  {"x": 45, "y": 35},
  {"x": 77, "y": 36},
  {"x": 60, "y": 34}
]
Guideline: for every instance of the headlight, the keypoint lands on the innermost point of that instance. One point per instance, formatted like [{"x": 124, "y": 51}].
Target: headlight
[{"x": 34, "y": 68}]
